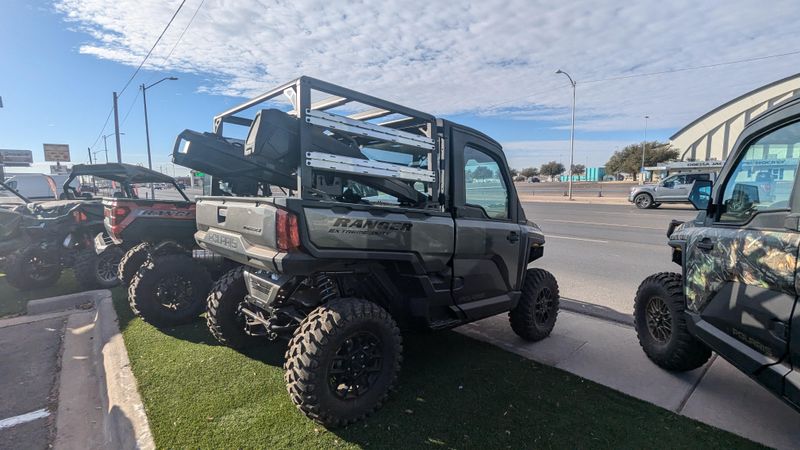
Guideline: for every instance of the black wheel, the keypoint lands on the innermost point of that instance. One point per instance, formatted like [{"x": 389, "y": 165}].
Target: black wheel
[
  {"x": 342, "y": 361},
  {"x": 169, "y": 290},
  {"x": 131, "y": 261},
  {"x": 660, "y": 320},
  {"x": 535, "y": 315},
  {"x": 93, "y": 271},
  {"x": 643, "y": 201},
  {"x": 224, "y": 319},
  {"x": 32, "y": 267}
]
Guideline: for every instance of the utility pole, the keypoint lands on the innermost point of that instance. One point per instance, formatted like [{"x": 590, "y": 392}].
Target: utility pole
[
  {"x": 147, "y": 127},
  {"x": 116, "y": 128},
  {"x": 644, "y": 146},
  {"x": 89, "y": 150},
  {"x": 571, "y": 133},
  {"x": 105, "y": 143},
  {"x": 147, "y": 138}
]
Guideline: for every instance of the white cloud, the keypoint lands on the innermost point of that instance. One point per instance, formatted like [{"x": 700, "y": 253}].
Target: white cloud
[{"x": 450, "y": 57}]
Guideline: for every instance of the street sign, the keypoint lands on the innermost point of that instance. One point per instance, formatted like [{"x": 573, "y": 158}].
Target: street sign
[
  {"x": 16, "y": 158},
  {"x": 56, "y": 152},
  {"x": 60, "y": 170}
]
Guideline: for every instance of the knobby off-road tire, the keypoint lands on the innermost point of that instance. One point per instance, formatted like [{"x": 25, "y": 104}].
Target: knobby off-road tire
[
  {"x": 31, "y": 268},
  {"x": 93, "y": 271},
  {"x": 224, "y": 320},
  {"x": 131, "y": 261},
  {"x": 169, "y": 290},
  {"x": 660, "y": 320},
  {"x": 345, "y": 340},
  {"x": 535, "y": 315},
  {"x": 643, "y": 201}
]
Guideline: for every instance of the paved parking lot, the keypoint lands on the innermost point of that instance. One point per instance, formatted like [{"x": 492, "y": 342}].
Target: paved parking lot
[
  {"x": 30, "y": 354},
  {"x": 600, "y": 253}
]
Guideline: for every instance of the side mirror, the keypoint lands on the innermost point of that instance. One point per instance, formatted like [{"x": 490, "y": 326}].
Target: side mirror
[{"x": 700, "y": 197}]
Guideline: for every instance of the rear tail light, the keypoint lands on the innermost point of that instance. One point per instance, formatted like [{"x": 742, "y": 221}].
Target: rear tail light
[
  {"x": 287, "y": 230},
  {"x": 115, "y": 216}
]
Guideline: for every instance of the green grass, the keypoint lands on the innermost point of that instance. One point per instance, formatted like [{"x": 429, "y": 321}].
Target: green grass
[
  {"x": 13, "y": 301},
  {"x": 453, "y": 392}
]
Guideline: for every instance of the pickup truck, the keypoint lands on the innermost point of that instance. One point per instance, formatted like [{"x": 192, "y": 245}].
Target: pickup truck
[{"x": 673, "y": 189}]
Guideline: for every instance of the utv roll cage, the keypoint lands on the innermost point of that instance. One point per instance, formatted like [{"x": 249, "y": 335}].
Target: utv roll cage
[
  {"x": 14, "y": 191},
  {"x": 334, "y": 142},
  {"x": 125, "y": 174}
]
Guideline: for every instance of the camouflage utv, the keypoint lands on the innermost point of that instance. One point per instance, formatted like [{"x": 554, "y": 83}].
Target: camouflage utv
[{"x": 737, "y": 293}]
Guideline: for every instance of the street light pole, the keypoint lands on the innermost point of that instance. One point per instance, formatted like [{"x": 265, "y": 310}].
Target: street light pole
[
  {"x": 147, "y": 128},
  {"x": 105, "y": 143},
  {"x": 571, "y": 133},
  {"x": 644, "y": 146}
]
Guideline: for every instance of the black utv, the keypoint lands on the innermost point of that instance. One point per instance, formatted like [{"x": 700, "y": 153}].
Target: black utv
[
  {"x": 41, "y": 238},
  {"x": 391, "y": 219},
  {"x": 737, "y": 292}
]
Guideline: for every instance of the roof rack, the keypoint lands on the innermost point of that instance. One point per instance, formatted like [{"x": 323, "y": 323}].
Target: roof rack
[{"x": 363, "y": 119}]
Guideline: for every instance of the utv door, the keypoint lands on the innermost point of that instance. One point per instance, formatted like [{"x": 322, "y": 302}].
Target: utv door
[
  {"x": 741, "y": 271},
  {"x": 486, "y": 264}
]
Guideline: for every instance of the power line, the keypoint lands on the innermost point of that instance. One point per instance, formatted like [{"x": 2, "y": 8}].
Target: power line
[
  {"x": 649, "y": 74},
  {"x": 182, "y": 33},
  {"x": 152, "y": 48},
  {"x": 684, "y": 69},
  {"x": 133, "y": 103},
  {"x": 105, "y": 124}
]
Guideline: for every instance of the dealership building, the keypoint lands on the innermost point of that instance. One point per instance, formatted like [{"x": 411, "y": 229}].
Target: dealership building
[{"x": 705, "y": 143}]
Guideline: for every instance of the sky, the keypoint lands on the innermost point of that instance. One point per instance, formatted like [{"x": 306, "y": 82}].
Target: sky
[{"x": 487, "y": 64}]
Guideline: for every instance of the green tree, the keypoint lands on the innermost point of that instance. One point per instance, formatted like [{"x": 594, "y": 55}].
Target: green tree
[
  {"x": 529, "y": 172},
  {"x": 514, "y": 172},
  {"x": 482, "y": 172},
  {"x": 552, "y": 169},
  {"x": 629, "y": 159},
  {"x": 578, "y": 169}
]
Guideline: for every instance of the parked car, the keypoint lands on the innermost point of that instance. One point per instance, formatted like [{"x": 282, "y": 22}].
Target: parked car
[
  {"x": 36, "y": 186},
  {"x": 673, "y": 189}
]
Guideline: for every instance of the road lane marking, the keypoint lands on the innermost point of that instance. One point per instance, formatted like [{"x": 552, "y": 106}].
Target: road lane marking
[
  {"x": 24, "y": 418},
  {"x": 601, "y": 224},
  {"x": 575, "y": 238}
]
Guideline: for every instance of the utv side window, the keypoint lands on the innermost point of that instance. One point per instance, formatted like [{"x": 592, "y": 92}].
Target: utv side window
[
  {"x": 760, "y": 182},
  {"x": 485, "y": 186}
]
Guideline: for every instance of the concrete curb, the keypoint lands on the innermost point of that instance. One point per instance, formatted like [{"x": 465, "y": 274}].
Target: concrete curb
[
  {"x": 81, "y": 300},
  {"x": 99, "y": 406},
  {"x": 597, "y": 311}
]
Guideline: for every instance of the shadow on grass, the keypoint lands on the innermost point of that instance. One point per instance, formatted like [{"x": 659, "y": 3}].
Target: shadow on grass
[
  {"x": 271, "y": 353},
  {"x": 14, "y": 301},
  {"x": 453, "y": 392}
]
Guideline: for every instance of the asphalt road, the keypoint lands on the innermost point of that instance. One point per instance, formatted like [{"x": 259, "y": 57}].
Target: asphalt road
[
  {"x": 600, "y": 253},
  {"x": 28, "y": 374}
]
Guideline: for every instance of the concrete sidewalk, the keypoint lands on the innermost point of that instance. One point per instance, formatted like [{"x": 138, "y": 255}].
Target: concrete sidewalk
[
  {"x": 608, "y": 353},
  {"x": 66, "y": 378}
]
